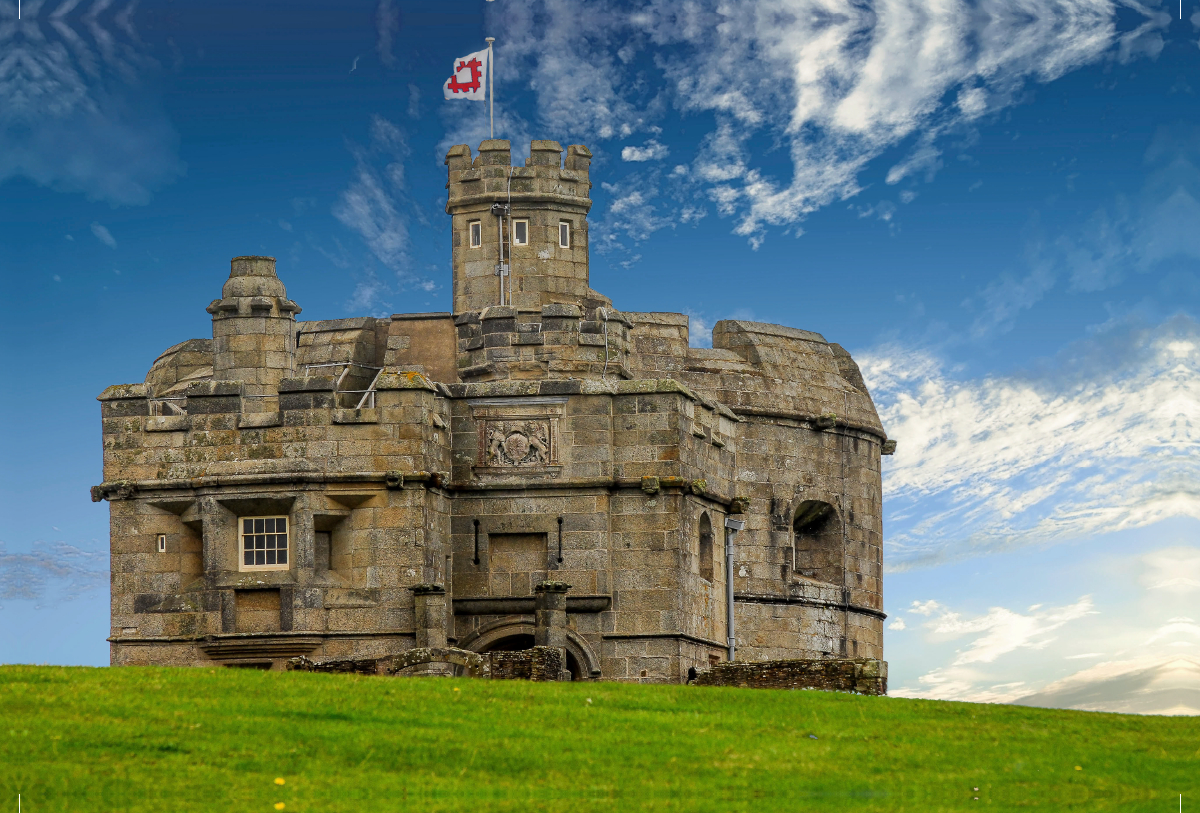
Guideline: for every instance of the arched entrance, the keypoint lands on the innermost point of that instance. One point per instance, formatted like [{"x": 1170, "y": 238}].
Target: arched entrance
[{"x": 514, "y": 634}]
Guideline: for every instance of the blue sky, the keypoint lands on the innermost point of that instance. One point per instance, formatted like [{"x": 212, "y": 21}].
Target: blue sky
[{"x": 994, "y": 205}]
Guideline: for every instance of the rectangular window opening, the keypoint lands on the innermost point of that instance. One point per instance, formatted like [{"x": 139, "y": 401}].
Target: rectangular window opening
[
  {"x": 476, "y": 228},
  {"x": 264, "y": 543},
  {"x": 520, "y": 232},
  {"x": 564, "y": 234},
  {"x": 162, "y": 543}
]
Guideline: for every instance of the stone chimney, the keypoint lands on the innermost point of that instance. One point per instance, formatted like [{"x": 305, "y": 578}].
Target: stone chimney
[{"x": 254, "y": 327}]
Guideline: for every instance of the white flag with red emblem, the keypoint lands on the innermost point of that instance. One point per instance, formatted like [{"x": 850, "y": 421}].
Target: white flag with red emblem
[{"x": 469, "y": 79}]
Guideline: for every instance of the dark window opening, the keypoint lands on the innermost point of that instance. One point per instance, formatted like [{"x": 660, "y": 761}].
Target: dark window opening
[
  {"x": 706, "y": 547},
  {"x": 817, "y": 544}
]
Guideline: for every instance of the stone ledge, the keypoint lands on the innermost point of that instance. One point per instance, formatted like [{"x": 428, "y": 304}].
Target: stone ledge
[
  {"x": 167, "y": 423},
  {"x": 119, "y": 392},
  {"x": 348, "y": 416},
  {"x": 524, "y": 605},
  {"x": 249, "y": 645},
  {"x": 259, "y": 420}
]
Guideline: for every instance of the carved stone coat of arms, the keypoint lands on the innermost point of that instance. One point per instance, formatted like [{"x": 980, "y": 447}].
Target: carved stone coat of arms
[{"x": 517, "y": 443}]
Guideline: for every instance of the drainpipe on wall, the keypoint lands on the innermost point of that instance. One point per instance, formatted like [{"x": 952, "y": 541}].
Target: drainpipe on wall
[{"x": 732, "y": 526}]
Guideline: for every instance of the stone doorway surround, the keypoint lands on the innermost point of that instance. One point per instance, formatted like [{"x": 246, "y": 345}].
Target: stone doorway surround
[{"x": 489, "y": 635}]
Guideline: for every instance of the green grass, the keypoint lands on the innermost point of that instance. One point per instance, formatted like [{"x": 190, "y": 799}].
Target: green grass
[{"x": 143, "y": 739}]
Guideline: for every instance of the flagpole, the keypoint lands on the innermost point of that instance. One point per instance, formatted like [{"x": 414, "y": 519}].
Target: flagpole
[{"x": 491, "y": 91}]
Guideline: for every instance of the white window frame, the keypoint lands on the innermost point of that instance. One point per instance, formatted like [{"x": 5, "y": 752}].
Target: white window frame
[
  {"x": 564, "y": 243},
  {"x": 515, "y": 241},
  {"x": 162, "y": 543},
  {"x": 475, "y": 233},
  {"x": 254, "y": 533}
]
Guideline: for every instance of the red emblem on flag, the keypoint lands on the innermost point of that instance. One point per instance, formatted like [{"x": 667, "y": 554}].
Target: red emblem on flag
[{"x": 476, "y": 67}]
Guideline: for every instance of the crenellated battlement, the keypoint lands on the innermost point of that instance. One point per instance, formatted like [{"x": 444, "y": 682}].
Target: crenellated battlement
[
  {"x": 545, "y": 176},
  {"x": 562, "y": 341}
]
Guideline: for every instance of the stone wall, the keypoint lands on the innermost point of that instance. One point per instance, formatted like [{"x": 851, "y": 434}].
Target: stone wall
[
  {"x": 539, "y": 663},
  {"x": 858, "y": 675}
]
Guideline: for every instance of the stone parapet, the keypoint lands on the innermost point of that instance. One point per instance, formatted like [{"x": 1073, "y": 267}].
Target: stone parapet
[{"x": 556, "y": 342}]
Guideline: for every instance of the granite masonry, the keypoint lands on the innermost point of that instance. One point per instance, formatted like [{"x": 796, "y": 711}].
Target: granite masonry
[{"x": 535, "y": 469}]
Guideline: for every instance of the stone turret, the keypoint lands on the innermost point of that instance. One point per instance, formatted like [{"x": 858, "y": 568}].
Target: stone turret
[
  {"x": 546, "y": 226},
  {"x": 254, "y": 325}
]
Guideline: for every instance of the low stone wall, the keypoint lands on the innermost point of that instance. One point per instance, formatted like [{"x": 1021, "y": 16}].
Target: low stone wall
[
  {"x": 541, "y": 663},
  {"x": 858, "y": 675},
  {"x": 419, "y": 661}
]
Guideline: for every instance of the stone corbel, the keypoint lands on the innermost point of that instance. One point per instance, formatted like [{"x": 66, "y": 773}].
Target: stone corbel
[{"x": 114, "y": 490}]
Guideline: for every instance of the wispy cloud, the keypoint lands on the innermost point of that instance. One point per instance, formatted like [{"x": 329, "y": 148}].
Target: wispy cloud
[
  {"x": 1134, "y": 630},
  {"x": 67, "y": 93},
  {"x": 1126, "y": 236},
  {"x": 387, "y": 24},
  {"x": 998, "y": 632},
  {"x": 104, "y": 235},
  {"x": 1155, "y": 685},
  {"x": 834, "y": 84},
  {"x": 1102, "y": 439},
  {"x": 377, "y": 206},
  {"x": 51, "y": 569}
]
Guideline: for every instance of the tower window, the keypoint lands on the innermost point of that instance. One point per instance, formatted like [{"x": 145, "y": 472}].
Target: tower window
[
  {"x": 818, "y": 542},
  {"x": 564, "y": 234},
  {"x": 264, "y": 543},
  {"x": 476, "y": 229},
  {"x": 706, "y": 547},
  {"x": 520, "y": 232},
  {"x": 162, "y": 543}
]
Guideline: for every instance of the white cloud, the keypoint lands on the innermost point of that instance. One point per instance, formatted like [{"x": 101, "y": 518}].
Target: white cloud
[
  {"x": 650, "y": 151},
  {"x": 104, "y": 235},
  {"x": 999, "y": 632},
  {"x": 834, "y": 84},
  {"x": 1128, "y": 626},
  {"x": 367, "y": 295},
  {"x": 1104, "y": 439},
  {"x": 375, "y": 206},
  {"x": 897, "y": 625},
  {"x": 699, "y": 329},
  {"x": 1172, "y": 570},
  {"x": 925, "y": 608},
  {"x": 1147, "y": 685}
]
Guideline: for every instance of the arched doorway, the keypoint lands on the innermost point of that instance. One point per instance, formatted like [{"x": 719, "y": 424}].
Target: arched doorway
[{"x": 514, "y": 634}]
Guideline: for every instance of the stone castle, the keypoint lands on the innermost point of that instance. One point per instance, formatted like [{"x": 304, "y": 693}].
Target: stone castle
[{"x": 537, "y": 467}]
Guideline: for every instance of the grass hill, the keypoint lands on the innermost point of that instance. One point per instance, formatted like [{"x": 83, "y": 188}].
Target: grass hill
[{"x": 150, "y": 739}]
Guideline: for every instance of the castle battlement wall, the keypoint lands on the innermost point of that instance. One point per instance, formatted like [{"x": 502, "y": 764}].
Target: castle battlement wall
[{"x": 533, "y": 435}]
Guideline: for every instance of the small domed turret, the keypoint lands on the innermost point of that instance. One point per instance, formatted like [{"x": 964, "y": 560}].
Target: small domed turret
[{"x": 253, "y": 327}]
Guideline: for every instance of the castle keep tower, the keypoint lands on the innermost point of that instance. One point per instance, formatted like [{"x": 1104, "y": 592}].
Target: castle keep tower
[
  {"x": 543, "y": 206},
  {"x": 537, "y": 467}
]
